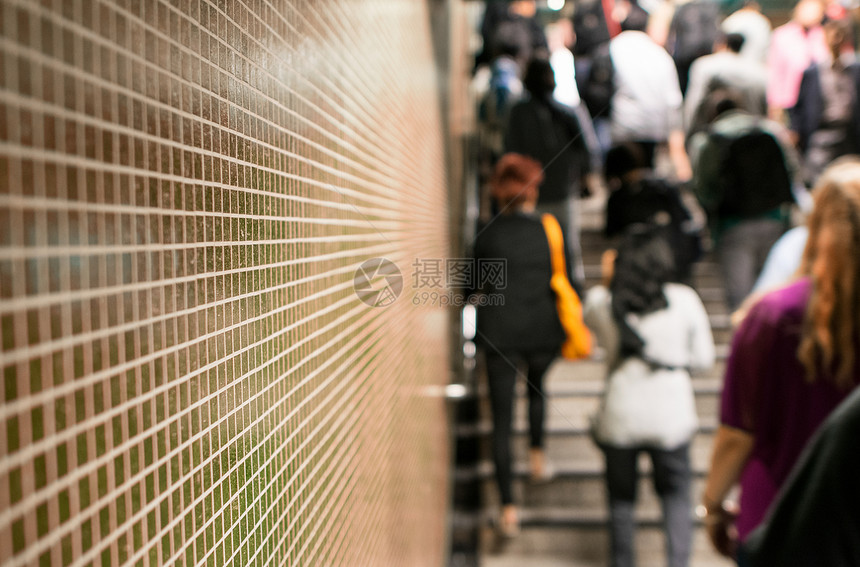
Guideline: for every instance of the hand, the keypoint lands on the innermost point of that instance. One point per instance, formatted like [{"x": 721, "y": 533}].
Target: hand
[
  {"x": 607, "y": 266},
  {"x": 678, "y": 156},
  {"x": 720, "y": 527},
  {"x": 683, "y": 170}
]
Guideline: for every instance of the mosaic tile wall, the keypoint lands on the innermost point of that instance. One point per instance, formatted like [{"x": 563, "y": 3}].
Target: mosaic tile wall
[{"x": 187, "y": 189}]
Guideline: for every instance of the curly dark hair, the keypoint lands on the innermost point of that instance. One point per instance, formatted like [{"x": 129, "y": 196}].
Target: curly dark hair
[{"x": 644, "y": 264}]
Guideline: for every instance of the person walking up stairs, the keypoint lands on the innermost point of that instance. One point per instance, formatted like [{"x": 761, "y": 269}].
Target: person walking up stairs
[{"x": 564, "y": 522}]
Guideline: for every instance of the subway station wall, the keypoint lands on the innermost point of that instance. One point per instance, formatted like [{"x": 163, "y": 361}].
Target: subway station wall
[{"x": 189, "y": 376}]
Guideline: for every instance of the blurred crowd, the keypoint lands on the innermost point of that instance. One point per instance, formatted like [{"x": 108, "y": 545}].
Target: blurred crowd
[
  {"x": 707, "y": 127},
  {"x": 671, "y": 84}
]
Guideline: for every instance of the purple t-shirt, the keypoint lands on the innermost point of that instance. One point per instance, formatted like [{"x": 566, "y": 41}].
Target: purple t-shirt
[{"x": 766, "y": 394}]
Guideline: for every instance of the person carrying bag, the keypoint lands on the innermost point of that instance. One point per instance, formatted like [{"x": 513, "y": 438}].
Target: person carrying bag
[{"x": 521, "y": 335}]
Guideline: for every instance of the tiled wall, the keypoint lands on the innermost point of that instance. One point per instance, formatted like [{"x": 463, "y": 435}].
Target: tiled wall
[{"x": 187, "y": 189}]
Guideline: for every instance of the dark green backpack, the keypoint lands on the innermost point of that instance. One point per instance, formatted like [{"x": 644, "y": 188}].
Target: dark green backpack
[{"x": 754, "y": 177}]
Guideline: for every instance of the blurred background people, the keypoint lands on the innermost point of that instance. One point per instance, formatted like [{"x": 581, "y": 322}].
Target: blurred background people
[
  {"x": 647, "y": 101},
  {"x": 653, "y": 332},
  {"x": 503, "y": 16},
  {"x": 593, "y": 27},
  {"x": 560, "y": 39},
  {"x": 755, "y": 27},
  {"x": 638, "y": 196},
  {"x": 794, "y": 46},
  {"x": 826, "y": 117},
  {"x": 504, "y": 89},
  {"x": 745, "y": 172},
  {"x": 793, "y": 359},
  {"x": 725, "y": 68},
  {"x": 562, "y": 142},
  {"x": 507, "y": 56},
  {"x": 692, "y": 33}
]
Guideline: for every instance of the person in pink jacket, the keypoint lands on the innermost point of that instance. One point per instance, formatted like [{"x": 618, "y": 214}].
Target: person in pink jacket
[{"x": 794, "y": 46}]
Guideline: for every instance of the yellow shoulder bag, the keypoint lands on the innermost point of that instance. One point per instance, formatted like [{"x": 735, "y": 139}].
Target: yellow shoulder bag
[{"x": 578, "y": 342}]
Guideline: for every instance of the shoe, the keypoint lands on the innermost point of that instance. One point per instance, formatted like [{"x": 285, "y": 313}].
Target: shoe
[
  {"x": 545, "y": 474},
  {"x": 541, "y": 469},
  {"x": 509, "y": 524}
]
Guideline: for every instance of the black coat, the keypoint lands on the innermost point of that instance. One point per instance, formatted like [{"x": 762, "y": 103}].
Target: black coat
[
  {"x": 521, "y": 313},
  {"x": 805, "y": 116},
  {"x": 550, "y": 133},
  {"x": 647, "y": 201},
  {"x": 816, "y": 519}
]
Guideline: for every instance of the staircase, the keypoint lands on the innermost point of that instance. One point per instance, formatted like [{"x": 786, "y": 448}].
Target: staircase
[{"x": 564, "y": 521}]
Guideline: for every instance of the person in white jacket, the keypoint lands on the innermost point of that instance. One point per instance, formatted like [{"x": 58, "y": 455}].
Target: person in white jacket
[
  {"x": 653, "y": 333},
  {"x": 647, "y": 101}
]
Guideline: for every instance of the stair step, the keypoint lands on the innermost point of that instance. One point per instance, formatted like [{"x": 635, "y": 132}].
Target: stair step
[
  {"x": 587, "y": 377},
  {"x": 563, "y": 471},
  {"x": 569, "y": 518},
  {"x": 577, "y": 451},
  {"x": 559, "y": 429},
  {"x": 574, "y": 412},
  {"x": 559, "y": 518},
  {"x": 586, "y": 547},
  {"x": 581, "y": 493},
  {"x": 560, "y": 388},
  {"x": 704, "y": 386}
]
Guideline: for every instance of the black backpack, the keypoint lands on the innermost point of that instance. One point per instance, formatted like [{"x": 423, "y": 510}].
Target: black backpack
[
  {"x": 597, "y": 87},
  {"x": 657, "y": 202},
  {"x": 589, "y": 25},
  {"x": 754, "y": 177},
  {"x": 694, "y": 29}
]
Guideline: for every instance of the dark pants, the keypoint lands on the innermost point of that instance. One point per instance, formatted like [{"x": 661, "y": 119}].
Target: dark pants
[
  {"x": 742, "y": 251},
  {"x": 672, "y": 477},
  {"x": 743, "y": 559},
  {"x": 502, "y": 376}
]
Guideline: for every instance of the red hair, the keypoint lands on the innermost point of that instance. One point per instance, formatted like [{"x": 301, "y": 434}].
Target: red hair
[{"x": 515, "y": 180}]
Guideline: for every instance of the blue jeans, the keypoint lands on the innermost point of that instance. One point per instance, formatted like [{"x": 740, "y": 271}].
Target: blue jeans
[{"x": 672, "y": 482}]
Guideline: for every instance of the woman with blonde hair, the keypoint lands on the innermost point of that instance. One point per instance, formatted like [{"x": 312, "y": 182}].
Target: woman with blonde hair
[{"x": 793, "y": 360}]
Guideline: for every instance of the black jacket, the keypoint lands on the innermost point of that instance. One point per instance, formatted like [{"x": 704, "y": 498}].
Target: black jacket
[
  {"x": 816, "y": 519},
  {"x": 805, "y": 116},
  {"x": 520, "y": 313},
  {"x": 551, "y": 134}
]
